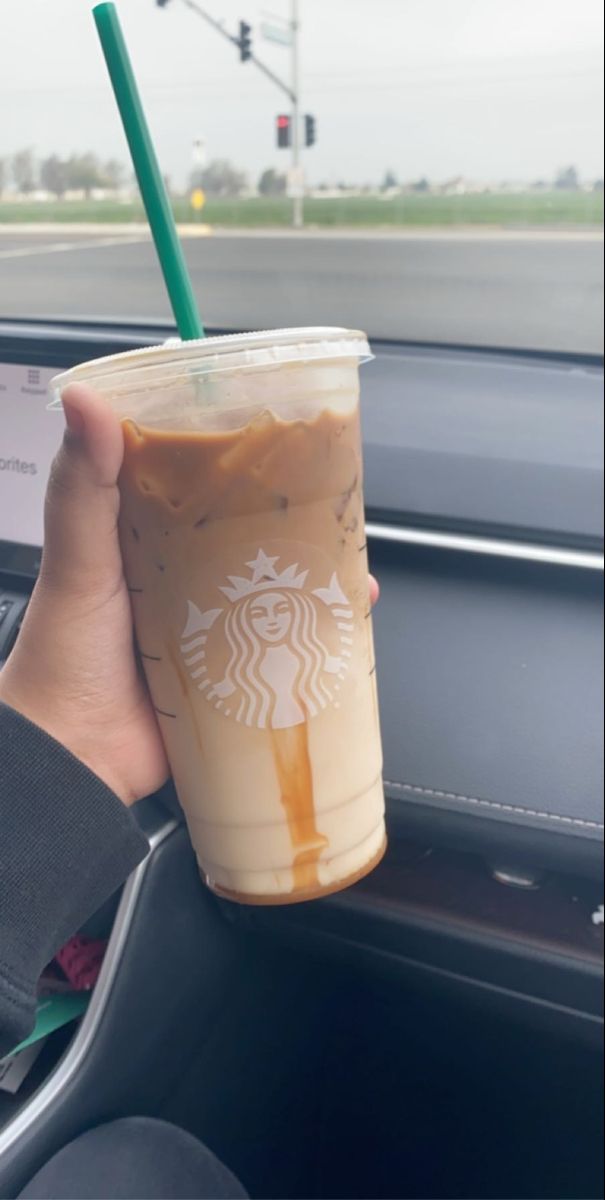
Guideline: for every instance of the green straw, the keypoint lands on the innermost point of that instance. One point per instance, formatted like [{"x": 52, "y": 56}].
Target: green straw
[{"x": 153, "y": 192}]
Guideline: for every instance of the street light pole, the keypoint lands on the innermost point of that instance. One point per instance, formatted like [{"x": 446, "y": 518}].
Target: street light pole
[{"x": 297, "y": 185}]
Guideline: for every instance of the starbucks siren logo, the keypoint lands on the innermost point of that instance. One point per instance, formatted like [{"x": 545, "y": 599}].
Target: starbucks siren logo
[{"x": 274, "y": 668}]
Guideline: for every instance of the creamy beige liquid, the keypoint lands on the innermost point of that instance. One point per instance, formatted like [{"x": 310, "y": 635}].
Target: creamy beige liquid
[{"x": 245, "y": 556}]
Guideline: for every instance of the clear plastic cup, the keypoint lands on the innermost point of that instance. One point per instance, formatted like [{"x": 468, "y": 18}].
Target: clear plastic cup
[{"x": 242, "y": 534}]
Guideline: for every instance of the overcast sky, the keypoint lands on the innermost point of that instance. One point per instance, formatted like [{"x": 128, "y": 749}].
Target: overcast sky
[{"x": 490, "y": 89}]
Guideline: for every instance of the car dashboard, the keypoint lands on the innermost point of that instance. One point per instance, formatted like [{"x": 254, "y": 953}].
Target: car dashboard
[{"x": 483, "y": 485}]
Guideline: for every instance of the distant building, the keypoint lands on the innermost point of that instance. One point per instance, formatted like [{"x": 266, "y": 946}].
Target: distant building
[
  {"x": 37, "y": 196},
  {"x": 325, "y": 192},
  {"x": 459, "y": 186},
  {"x": 454, "y": 187}
]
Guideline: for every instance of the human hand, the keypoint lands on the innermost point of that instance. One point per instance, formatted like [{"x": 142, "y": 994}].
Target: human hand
[{"x": 73, "y": 670}]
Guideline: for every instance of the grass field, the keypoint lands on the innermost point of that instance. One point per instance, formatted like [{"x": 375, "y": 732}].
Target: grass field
[{"x": 532, "y": 209}]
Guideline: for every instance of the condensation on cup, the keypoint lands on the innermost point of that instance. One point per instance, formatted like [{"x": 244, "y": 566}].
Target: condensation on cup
[{"x": 242, "y": 534}]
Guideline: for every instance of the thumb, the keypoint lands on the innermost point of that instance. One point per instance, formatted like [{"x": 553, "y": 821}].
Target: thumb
[{"x": 81, "y": 548}]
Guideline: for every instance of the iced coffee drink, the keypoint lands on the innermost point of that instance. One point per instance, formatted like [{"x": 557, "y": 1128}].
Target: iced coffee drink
[{"x": 243, "y": 542}]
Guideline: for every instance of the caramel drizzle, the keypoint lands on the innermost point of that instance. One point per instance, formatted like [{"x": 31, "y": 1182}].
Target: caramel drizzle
[{"x": 293, "y": 766}]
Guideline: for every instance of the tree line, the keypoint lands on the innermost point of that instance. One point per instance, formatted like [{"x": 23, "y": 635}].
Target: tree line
[
  {"x": 87, "y": 172},
  {"x": 220, "y": 178},
  {"x": 57, "y": 175}
]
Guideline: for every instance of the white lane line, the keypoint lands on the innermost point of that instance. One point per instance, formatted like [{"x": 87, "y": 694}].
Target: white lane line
[
  {"x": 92, "y": 229},
  {"x": 411, "y": 233},
  {"x": 62, "y": 247}
]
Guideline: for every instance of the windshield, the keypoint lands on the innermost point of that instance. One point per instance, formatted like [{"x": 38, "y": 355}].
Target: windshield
[{"x": 430, "y": 171}]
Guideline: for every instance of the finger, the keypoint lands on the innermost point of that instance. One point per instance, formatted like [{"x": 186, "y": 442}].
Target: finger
[
  {"x": 374, "y": 590},
  {"x": 94, "y": 432},
  {"x": 81, "y": 550}
]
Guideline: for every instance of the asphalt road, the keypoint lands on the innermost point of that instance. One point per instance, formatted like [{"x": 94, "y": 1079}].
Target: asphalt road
[{"x": 536, "y": 291}]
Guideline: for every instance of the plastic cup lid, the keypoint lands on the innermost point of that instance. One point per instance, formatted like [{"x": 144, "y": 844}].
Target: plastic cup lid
[{"x": 265, "y": 348}]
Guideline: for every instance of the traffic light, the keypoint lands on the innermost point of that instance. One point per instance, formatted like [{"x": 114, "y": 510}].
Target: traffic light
[
  {"x": 282, "y": 124},
  {"x": 245, "y": 41},
  {"x": 310, "y": 130}
]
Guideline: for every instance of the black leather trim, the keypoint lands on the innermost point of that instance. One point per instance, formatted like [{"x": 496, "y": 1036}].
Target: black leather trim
[{"x": 498, "y": 809}]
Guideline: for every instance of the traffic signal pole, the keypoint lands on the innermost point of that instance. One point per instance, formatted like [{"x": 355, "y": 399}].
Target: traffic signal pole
[
  {"x": 297, "y": 187},
  {"x": 291, "y": 91}
]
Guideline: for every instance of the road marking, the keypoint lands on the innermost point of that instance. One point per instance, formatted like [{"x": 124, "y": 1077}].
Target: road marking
[
  {"x": 95, "y": 229},
  {"x": 410, "y": 233},
  {"x": 63, "y": 247}
]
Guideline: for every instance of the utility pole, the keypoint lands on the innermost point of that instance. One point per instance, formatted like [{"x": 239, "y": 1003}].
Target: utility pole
[{"x": 297, "y": 188}]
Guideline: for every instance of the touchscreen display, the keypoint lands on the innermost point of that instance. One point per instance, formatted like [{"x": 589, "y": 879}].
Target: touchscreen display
[{"x": 29, "y": 438}]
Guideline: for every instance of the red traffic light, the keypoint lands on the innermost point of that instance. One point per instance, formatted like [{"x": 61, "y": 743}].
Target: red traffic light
[{"x": 282, "y": 123}]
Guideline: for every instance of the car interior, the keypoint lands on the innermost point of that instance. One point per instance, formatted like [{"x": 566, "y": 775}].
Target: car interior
[{"x": 436, "y": 1029}]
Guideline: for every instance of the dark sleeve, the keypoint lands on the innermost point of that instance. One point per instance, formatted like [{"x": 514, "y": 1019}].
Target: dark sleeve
[{"x": 66, "y": 844}]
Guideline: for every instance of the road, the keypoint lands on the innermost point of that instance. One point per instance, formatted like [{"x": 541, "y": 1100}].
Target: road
[{"x": 536, "y": 291}]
